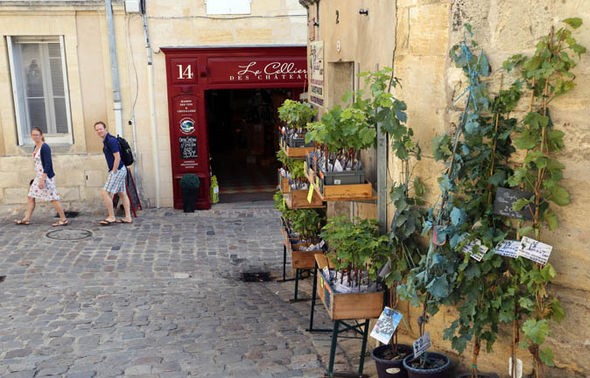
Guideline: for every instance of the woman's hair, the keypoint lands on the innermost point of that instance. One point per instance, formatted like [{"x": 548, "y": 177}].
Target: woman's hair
[{"x": 40, "y": 132}]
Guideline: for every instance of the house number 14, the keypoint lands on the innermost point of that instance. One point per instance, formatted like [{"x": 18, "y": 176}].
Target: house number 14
[{"x": 185, "y": 72}]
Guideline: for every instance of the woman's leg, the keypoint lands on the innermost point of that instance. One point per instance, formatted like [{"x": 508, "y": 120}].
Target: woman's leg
[
  {"x": 59, "y": 209},
  {"x": 30, "y": 208}
]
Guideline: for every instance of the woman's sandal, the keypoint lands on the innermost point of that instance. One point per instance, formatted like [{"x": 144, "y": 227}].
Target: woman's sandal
[
  {"x": 22, "y": 222},
  {"x": 60, "y": 222}
]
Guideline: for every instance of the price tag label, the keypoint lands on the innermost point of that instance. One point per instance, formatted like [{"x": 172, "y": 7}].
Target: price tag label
[
  {"x": 386, "y": 325},
  {"x": 422, "y": 344},
  {"x": 481, "y": 250},
  {"x": 508, "y": 248},
  {"x": 534, "y": 250},
  {"x": 310, "y": 192}
]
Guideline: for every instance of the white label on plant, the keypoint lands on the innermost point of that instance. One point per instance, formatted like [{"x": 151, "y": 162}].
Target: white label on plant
[
  {"x": 508, "y": 248},
  {"x": 470, "y": 247},
  {"x": 534, "y": 250},
  {"x": 422, "y": 344},
  {"x": 386, "y": 325},
  {"x": 518, "y": 368},
  {"x": 326, "y": 272}
]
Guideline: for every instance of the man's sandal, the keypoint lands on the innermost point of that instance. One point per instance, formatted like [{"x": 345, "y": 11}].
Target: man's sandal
[{"x": 22, "y": 222}]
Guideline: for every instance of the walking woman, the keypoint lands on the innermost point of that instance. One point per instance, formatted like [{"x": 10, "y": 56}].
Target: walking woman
[{"x": 43, "y": 186}]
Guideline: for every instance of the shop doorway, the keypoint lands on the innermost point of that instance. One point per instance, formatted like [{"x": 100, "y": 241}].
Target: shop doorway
[{"x": 242, "y": 125}]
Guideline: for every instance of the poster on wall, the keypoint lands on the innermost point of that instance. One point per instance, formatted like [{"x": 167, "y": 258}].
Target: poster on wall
[{"x": 316, "y": 65}]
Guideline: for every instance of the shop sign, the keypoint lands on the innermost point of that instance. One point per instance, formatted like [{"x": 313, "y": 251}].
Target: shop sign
[
  {"x": 263, "y": 70},
  {"x": 316, "y": 64}
]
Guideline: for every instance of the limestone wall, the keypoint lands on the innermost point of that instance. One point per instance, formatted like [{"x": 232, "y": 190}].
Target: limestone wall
[
  {"x": 84, "y": 27},
  {"x": 426, "y": 30}
]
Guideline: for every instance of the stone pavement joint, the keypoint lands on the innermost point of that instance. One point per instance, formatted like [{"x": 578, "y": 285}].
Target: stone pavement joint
[{"x": 161, "y": 297}]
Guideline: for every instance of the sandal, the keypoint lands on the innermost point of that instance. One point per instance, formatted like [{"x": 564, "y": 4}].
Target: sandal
[
  {"x": 22, "y": 222},
  {"x": 106, "y": 222},
  {"x": 123, "y": 220},
  {"x": 60, "y": 222}
]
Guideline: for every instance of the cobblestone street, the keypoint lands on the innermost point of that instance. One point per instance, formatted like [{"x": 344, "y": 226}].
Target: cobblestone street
[{"x": 157, "y": 298}]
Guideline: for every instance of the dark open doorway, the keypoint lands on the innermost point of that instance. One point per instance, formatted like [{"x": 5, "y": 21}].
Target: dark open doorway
[{"x": 243, "y": 140}]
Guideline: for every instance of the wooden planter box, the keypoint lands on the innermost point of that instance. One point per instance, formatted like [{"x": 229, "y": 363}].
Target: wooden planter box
[
  {"x": 297, "y": 199},
  {"x": 296, "y": 152},
  {"x": 343, "y": 192},
  {"x": 303, "y": 259},
  {"x": 346, "y": 306}
]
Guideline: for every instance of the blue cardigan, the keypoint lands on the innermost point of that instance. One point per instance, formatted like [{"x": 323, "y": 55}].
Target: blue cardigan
[{"x": 46, "y": 160}]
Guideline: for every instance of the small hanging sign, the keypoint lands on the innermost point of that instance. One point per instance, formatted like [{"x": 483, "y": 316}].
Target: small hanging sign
[
  {"x": 386, "y": 325},
  {"x": 505, "y": 199},
  {"x": 508, "y": 248},
  {"x": 534, "y": 250},
  {"x": 422, "y": 344},
  {"x": 482, "y": 249}
]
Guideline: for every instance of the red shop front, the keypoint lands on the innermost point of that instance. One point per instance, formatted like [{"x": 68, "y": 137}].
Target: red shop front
[{"x": 192, "y": 73}]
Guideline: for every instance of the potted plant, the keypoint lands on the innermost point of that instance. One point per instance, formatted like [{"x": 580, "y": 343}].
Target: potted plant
[
  {"x": 356, "y": 254},
  {"x": 546, "y": 75},
  {"x": 296, "y": 115},
  {"x": 484, "y": 289},
  {"x": 294, "y": 183},
  {"x": 189, "y": 185}
]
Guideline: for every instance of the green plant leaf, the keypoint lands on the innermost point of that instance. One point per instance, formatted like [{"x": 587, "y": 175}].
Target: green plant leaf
[
  {"x": 574, "y": 22},
  {"x": 438, "y": 287},
  {"x": 546, "y": 356},
  {"x": 557, "y": 311},
  {"x": 551, "y": 219},
  {"x": 536, "y": 330},
  {"x": 560, "y": 196}
]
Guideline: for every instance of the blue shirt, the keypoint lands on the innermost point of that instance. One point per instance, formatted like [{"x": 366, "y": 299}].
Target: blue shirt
[{"x": 110, "y": 146}]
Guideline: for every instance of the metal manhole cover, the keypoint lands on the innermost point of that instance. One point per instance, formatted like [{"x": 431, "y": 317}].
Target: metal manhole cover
[{"x": 69, "y": 234}]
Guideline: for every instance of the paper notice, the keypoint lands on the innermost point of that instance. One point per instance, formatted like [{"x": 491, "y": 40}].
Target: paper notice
[
  {"x": 534, "y": 250},
  {"x": 508, "y": 248},
  {"x": 470, "y": 248}
]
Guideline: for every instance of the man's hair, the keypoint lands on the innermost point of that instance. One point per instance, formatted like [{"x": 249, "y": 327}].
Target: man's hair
[{"x": 100, "y": 123}]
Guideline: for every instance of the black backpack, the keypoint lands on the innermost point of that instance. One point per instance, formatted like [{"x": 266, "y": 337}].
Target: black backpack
[{"x": 125, "y": 151}]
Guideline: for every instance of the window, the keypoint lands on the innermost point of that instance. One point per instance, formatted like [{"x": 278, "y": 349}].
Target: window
[
  {"x": 228, "y": 6},
  {"x": 40, "y": 88}
]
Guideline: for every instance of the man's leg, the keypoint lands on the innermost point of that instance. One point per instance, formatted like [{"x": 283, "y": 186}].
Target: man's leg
[
  {"x": 126, "y": 206},
  {"x": 108, "y": 201}
]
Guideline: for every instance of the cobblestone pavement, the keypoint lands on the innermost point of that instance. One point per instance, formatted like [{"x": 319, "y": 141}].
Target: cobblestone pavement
[{"x": 157, "y": 298}]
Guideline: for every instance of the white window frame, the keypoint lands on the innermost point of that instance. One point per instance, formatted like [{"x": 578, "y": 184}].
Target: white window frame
[
  {"x": 18, "y": 92},
  {"x": 228, "y": 7}
]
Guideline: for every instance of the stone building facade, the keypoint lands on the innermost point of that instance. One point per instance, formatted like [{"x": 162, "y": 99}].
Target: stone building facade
[
  {"x": 74, "y": 35},
  {"x": 415, "y": 36}
]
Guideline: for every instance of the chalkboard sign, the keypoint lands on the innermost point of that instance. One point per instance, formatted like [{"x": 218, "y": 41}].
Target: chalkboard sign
[
  {"x": 188, "y": 147},
  {"x": 505, "y": 199}
]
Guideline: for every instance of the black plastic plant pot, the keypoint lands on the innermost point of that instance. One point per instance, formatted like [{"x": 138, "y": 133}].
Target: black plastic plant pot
[
  {"x": 390, "y": 364},
  {"x": 189, "y": 199},
  {"x": 437, "y": 366}
]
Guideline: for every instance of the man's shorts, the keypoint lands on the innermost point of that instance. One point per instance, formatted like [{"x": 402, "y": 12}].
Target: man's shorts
[{"x": 116, "y": 182}]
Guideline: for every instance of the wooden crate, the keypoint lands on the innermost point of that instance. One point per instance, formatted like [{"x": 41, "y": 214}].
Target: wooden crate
[
  {"x": 297, "y": 199},
  {"x": 346, "y": 306},
  {"x": 303, "y": 259},
  {"x": 345, "y": 192},
  {"x": 296, "y": 152}
]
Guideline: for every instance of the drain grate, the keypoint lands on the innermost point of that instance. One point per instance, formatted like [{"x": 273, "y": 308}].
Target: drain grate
[
  {"x": 69, "y": 234},
  {"x": 256, "y": 277}
]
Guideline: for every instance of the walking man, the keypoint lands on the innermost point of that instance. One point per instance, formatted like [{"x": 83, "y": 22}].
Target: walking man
[{"x": 116, "y": 178}]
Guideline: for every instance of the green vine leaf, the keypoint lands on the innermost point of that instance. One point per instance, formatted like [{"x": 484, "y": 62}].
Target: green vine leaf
[
  {"x": 546, "y": 355},
  {"x": 536, "y": 330},
  {"x": 560, "y": 196},
  {"x": 574, "y": 22}
]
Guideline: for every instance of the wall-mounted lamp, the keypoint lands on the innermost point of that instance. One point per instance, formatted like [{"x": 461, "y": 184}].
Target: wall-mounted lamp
[{"x": 364, "y": 12}]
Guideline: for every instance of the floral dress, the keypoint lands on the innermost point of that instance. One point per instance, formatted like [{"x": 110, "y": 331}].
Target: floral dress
[{"x": 49, "y": 192}]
